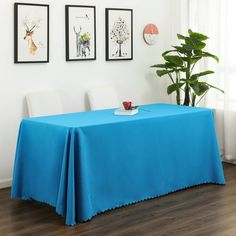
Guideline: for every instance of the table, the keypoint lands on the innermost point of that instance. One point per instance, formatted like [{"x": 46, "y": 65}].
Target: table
[{"x": 89, "y": 162}]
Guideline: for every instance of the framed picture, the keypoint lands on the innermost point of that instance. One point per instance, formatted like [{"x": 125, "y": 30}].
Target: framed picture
[
  {"x": 31, "y": 33},
  {"x": 80, "y": 33},
  {"x": 119, "y": 34}
]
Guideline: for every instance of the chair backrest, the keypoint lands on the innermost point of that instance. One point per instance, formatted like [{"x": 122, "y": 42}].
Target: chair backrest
[
  {"x": 43, "y": 103},
  {"x": 103, "y": 98}
]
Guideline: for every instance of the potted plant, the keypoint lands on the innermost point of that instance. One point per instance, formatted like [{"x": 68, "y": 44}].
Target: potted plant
[{"x": 179, "y": 68}]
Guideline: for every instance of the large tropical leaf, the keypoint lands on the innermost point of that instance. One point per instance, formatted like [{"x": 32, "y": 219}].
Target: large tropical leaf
[
  {"x": 190, "y": 31},
  {"x": 183, "y": 69},
  {"x": 158, "y": 66},
  {"x": 207, "y": 54},
  {"x": 170, "y": 65},
  {"x": 187, "y": 81},
  {"x": 167, "y": 52},
  {"x": 187, "y": 47},
  {"x": 198, "y": 36},
  {"x": 197, "y": 52},
  {"x": 181, "y": 50},
  {"x": 215, "y": 87},
  {"x": 180, "y": 36},
  {"x": 199, "y": 87},
  {"x": 195, "y": 59},
  {"x": 185, "y": 58},
  {"x": 177, "y": 60},
  {"x": 207, "y": 72},
  {"x": 164, "y": 72},
  {"x": 194, "y": 43},
  {"x": 174, "y": 87}
]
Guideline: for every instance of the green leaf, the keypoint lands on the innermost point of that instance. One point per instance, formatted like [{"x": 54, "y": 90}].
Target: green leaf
[
  {"x": 207, "y": 54},
  {"x": 167, "y": 52},
  {"x": 187, "y": 81},
  {"x": 180, "y": 36},
  {"x": 198, "y": 36},
  {"x": 174, "y": 59},
  {"x": 181, "y": 50},
  {"x": 170, "y": 65},
  {"x": 188, "y": 48},
  {"x": 195, "y": 59},
  {"x": 197, "y": 52},
  {"x": 190, "y": 31},
  {"x": 133, "y": 107},
  {"x": 215, "y": 87},
  {"x": 185, "y": 58},
  {"x": 196, "y": 76},
  {"x": 158, "y": 66},
  {"x": 173, "y": 87},
  {"x": 194, "y": 43},
  {"x": 199, "y": 87},
  {"x": 163, "y": 72},
  {"x": 183, "y": 69}
]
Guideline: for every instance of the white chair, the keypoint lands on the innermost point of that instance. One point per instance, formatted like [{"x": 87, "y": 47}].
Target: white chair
[
  {"x": 43, "y": 103},
  {"x": 103, "y": 98}
]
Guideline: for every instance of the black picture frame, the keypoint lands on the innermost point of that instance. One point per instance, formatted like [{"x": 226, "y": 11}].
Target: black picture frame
[
  {"x": 37, "y": 52},
  {"x": 82, "y": 45},
  {"x": 114, "y": 53}
]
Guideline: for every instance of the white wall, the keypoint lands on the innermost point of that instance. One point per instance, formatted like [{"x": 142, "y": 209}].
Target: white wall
[{"x": 133, "y": 80}]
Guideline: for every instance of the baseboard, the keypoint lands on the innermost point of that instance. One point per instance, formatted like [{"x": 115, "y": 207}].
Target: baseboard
[
  {"x": 229, "y": 161},
  {"x": 5, "y": 183}
]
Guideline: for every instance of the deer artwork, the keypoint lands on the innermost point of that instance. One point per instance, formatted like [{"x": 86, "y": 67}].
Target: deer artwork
[
  {"x": 29, "y": 31},
  {"x": 82, "y": 43}
]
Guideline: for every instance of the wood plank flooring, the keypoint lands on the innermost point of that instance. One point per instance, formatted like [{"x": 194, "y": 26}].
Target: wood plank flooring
[{"x": 206, "y": 210}]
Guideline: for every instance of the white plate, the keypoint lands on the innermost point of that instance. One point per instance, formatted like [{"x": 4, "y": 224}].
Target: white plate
[{"x": 123, "y": 112}]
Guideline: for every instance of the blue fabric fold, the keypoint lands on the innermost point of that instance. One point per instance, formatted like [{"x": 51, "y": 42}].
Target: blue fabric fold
[{"x": 86, "y": 163}]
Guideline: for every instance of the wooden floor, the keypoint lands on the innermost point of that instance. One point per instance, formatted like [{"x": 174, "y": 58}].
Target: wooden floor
[{"x": 207, "y": 210}]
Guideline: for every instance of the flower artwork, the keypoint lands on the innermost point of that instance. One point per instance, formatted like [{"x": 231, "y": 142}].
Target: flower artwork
[
  {"x": 80, "y": 33},
  {"x": 119, "y": 34}
]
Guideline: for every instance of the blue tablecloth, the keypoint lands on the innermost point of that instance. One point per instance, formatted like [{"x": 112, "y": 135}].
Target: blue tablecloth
[{"x": 86, "y": 163}]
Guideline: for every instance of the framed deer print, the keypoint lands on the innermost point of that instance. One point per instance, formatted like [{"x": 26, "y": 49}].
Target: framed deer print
[
  {"x": 119, "y": 34},
  {"x": 80, "y": 33},
  {"x": 31, "y": 23}
]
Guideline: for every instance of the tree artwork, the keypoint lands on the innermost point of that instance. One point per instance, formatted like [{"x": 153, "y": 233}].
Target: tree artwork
[{"x": 119, "y": 35}]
